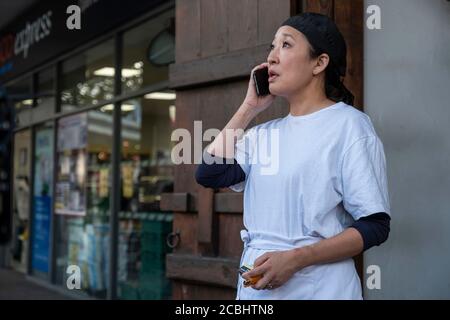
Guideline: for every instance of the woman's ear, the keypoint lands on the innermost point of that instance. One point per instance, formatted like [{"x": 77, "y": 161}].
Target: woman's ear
[{"x": 321, "y": 64}]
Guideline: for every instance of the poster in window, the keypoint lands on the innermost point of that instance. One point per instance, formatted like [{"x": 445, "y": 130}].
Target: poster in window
[
  {"x": 70, "y": 190},
  {"x": 43, "y": 175}
]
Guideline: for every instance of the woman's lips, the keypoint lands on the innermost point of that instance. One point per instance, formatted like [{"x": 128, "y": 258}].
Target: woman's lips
[{"x": 272, "y": 77}]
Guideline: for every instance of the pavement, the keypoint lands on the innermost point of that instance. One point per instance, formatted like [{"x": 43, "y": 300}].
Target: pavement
[{"x": 15, "y": 286}]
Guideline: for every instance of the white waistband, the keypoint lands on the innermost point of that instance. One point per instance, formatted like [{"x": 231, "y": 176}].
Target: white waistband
[{"x": 271, "y": 241}]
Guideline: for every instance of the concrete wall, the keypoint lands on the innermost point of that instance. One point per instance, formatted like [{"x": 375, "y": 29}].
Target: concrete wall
[{"x": 407, "y": 95}]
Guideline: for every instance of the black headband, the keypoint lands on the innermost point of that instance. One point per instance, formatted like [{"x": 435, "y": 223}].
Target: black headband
[{"x": 323, "y": 35}]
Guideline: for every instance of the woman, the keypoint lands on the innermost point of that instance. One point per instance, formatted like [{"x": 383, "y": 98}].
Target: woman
[{"x": 325, "y": 198}]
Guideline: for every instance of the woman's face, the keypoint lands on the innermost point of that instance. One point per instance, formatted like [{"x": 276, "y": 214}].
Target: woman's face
[{"x": 290, "y": 65}]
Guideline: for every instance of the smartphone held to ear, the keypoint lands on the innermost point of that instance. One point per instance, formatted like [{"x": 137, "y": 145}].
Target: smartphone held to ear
[{"x": 261, "y": 79}]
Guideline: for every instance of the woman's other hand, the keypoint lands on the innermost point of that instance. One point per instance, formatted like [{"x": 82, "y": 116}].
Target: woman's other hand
[{"x": 275, "y": 267}]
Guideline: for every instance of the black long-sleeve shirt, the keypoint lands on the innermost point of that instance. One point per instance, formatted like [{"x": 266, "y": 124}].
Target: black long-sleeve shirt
[{"x": 373, "y": 228}]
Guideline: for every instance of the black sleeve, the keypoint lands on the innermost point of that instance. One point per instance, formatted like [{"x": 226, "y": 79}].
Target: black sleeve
[
  {"x": 219, "y": 174},
  {"x": 374, "y": 229}
]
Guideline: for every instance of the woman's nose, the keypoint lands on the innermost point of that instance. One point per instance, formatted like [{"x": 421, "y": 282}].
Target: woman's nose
[{"x": 272, "y": 57}]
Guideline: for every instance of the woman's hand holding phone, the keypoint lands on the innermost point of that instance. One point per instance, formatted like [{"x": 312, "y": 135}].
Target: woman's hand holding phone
[
  {"x": 253, "y": 102},
  {"x": 252, "y": 105}
]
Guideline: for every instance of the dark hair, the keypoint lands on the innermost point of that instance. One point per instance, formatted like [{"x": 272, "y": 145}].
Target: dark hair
[{"x": 334, "y": 87}]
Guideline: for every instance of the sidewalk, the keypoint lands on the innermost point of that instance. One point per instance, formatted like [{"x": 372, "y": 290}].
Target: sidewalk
[{"x": 14, "y": 285}]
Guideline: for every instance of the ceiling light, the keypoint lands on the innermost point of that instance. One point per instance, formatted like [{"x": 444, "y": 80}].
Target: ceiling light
[
  {"x": 128, "y": 107},
  {"x": 125, "y": 107},
  {"x": 138, "y": 65},
  {"x": 110, "y": 72},
  {"x": 161, "y": 96}
]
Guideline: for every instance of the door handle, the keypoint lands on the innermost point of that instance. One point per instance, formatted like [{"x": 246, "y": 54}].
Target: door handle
[{"x": 173, "y": 239}]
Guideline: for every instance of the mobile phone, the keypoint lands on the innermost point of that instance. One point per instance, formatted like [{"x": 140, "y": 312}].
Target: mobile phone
[{"x": 261, "y": 79}]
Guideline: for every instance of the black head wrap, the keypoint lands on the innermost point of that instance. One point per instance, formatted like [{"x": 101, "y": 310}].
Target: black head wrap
[{"x": 324, "y": 37}]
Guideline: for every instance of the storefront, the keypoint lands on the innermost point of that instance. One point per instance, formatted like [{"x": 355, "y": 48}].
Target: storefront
[{"x": 91, "y": 145}]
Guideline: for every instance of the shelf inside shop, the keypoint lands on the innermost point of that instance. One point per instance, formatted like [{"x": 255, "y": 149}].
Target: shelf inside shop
[{"x": 159, "y": 216}]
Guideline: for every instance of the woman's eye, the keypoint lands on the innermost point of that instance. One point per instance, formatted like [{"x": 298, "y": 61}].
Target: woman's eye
[{"x": 271, "y": 47}]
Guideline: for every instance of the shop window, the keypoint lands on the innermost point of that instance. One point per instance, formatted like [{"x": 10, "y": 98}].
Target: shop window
[
  {"x": 146, "y": 172},
  {"x": 21, "y": 192},
  {"x": 20, "y": 99},
  {"x": 42, "y": 199},
  {"x": 82, "y": 199},
  {"x": 147, "y": 51},
  {"x": 45, "y": 94},
  {"x": 19, "y": 93},
  {"x": 88, "y": 78}
]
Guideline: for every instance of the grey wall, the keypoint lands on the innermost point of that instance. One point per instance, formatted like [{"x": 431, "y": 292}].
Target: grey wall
[{"x": 407, "y": 96}]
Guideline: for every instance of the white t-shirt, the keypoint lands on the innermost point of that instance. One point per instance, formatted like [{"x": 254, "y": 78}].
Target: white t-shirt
[{"x": 309, "y": 177}]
